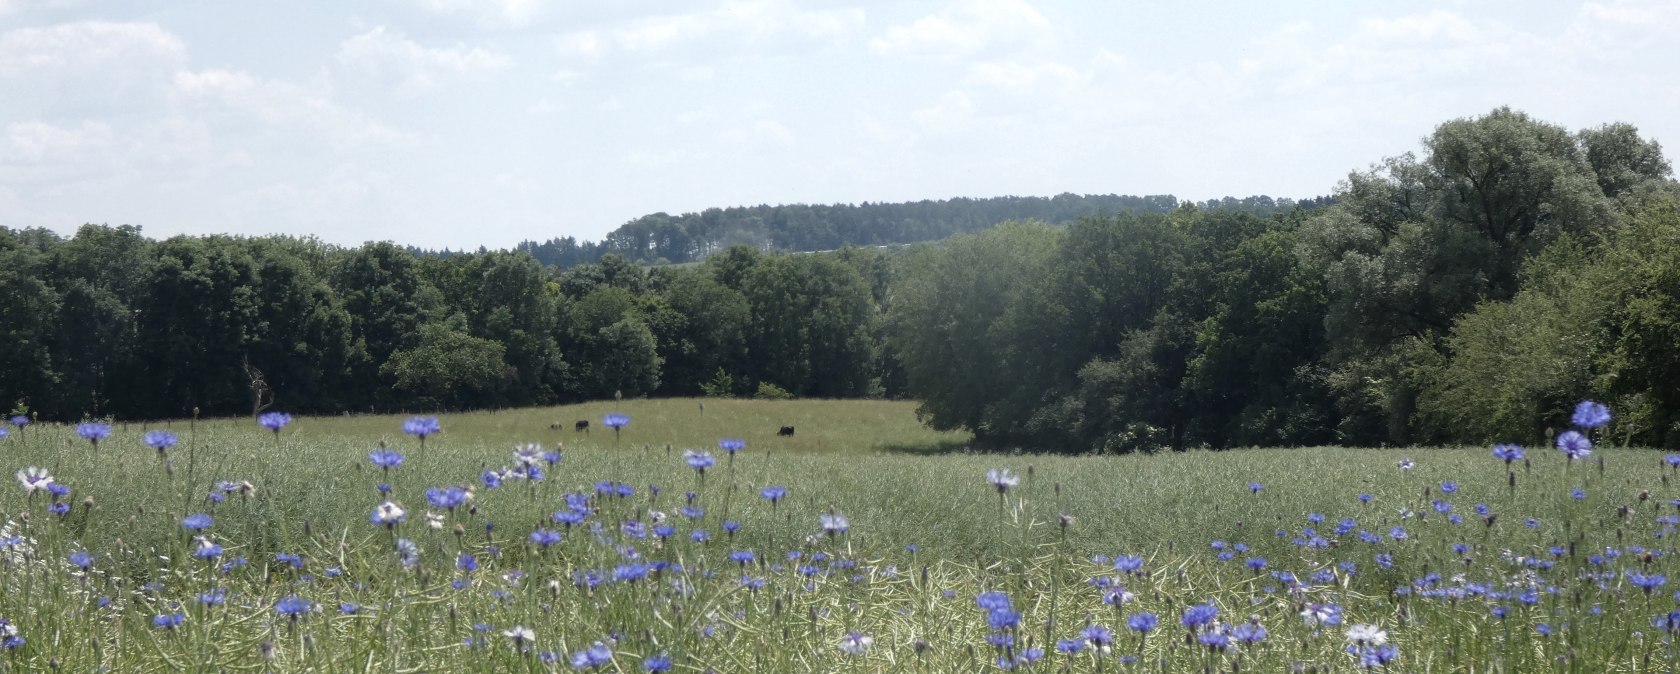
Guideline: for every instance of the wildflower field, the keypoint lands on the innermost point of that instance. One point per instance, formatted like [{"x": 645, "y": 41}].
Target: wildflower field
[{"x": 688, "y": 536}]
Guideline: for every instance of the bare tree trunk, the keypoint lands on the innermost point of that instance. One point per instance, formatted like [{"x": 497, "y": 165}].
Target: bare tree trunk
[{"x": 261, "y": 395}]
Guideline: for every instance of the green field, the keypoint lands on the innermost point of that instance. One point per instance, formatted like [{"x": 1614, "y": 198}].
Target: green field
[{"x": 927, "y": 534}]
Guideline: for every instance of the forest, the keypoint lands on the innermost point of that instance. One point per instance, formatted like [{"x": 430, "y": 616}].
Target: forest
[{"x": 1501, "y": 273}]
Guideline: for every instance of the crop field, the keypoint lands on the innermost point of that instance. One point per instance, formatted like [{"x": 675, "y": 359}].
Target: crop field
[{"x": 696, "y": 539}]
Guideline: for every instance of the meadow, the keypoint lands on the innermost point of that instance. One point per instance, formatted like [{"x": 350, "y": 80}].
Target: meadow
[{"x": 863, "y": 543}]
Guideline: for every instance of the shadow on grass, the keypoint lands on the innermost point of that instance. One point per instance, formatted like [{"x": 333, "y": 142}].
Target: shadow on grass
[{"x": 928, "y": 448}]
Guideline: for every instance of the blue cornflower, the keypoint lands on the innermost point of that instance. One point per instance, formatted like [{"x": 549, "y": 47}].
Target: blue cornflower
[
  {"x": 169, "y": 621},
  {"x": 773, "y": 494},
  {"x": 700, "y": 536},
  {"x": 20, "y": 420},
  {"x": 93, "y": 431},
  {"x": 1372, "y": 657},
  {"x": 1255, "y": 487},
  {"x": 1544, "y": 630},
  {"x": 421, "y": 427},
  {"x": 207, "y": 549},
  {"x": 1667, "y": 623},
  {"x": 657, "y": 663},
  {"x": 347, "y": 608},
  {"x": 1574, "y": 444},
  {"x": 1215, "y": 640},
  {"x": 1449, "y": 487},
  {"x": 274, "y": 421},
  {"x": 1364, "y": 498},
  {"x": 1069, "y": 646},
  {"x": 385, "y": 458},
  {"x": 1507, "y": 453},
  {"x": 1646, "y": 582},
  {"x": 545, "y": 537},
  {"x": 161, "y": 440},
  {"x": 1199, "y": 615},
  {"x": 492, "y": 479},
  {"x": 615, "y": 421},
  {"x": 59, "y": 508},
  {"x": 448, "y": 498},
  {"x": 992, "y": 601},
  {"x": 552, "y": 457},
  {"x": 4, "y": 434},
  {"x": 732, "y": 445},
  {"x": 1002, "y": 619},
  {"x": 1128, "y": 563},
  {"x": 81, "y": 559},
  {"x": 292, "y": 559},
  {"x": 731, "y": 526},
  {"x": 1589, "y": 414},
  {"x": 1577, "y": 494},
  {"x": 1397, "y": 533},
  {"x": 215, "y": 597},
  {"x": 699, "y": 461},
  {"x": 1256, "y": 564},
  {"x": 292, "y": 607},
  {"x": 1099, "y": 637},
  {"x": 197, "y": 522},
  {"x": 1249, "y": 633},
  {"x": 597, "y": 655},
  {"x": 466, "y": 562},
  {"x": 408, "y": 553}
]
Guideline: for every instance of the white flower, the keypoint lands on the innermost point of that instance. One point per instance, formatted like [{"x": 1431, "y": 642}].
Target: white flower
[
  {"x": 528, "y": 454},
  {"x": 1367, "y": 634},
  {"x": 33, "y": 478},
  {"x": 834, "y": 523},
  {"x": 855, "y": 644},
  {"x": 1406, "y": 464},
  {"x": 1000, "y": 478},
  {"x": 389, "y": 513},
  {"x": 434, "y": 520},
  {"x": 520, "y": 633}
]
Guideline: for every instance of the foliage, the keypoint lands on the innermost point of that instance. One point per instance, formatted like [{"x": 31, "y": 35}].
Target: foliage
[{"x": 769, "y": 391}]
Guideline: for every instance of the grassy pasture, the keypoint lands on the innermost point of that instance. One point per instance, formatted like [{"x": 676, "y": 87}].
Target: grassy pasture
[{"x": 899, "y": 484}]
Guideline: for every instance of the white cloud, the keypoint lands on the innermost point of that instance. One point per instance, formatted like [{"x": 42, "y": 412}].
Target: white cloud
[
  {"x": 514, "y": 13},
  {"x": 1016, "y": 75},
  {"x": 36, "y": 141},
  {"x": 87, "y": 45},
  {"x": 385, "y": 50},
  {"x": 967, "y": 27},
  {"x": 281, "y": 104},
  {"x": 727, "y": 27},
  {"x": 953, "y": 112}
]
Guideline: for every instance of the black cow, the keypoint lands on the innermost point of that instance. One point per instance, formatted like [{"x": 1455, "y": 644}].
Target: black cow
[
  {"x": 787, "y": 431},
  {"x": 581, "y": 425}
]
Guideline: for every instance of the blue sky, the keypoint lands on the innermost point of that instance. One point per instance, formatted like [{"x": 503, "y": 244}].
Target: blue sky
[{"x": 459, "y": 123}]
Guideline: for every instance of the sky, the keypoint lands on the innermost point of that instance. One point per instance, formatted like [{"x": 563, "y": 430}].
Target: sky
[{"x": 467, "y": 123}]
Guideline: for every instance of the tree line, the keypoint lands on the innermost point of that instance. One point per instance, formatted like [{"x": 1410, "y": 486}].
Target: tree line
[
  {"x": 662, "y": 238},
  {"x": 1468, "y": 292}
]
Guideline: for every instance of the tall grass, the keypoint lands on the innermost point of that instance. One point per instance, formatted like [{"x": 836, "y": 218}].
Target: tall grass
[{"x": 927, "y": 537}]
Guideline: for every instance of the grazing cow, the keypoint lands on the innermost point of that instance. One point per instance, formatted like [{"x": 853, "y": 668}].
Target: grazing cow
[
  {"x": 787, "y": 431},
  {"x": 581, "y": 425},
  {"x": 555, "y": 426}
]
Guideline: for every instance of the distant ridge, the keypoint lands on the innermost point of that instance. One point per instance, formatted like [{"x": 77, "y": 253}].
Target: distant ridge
[{"x": 661, "y": 237}]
